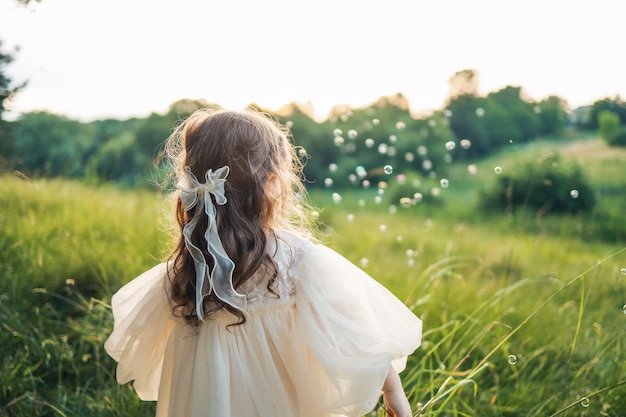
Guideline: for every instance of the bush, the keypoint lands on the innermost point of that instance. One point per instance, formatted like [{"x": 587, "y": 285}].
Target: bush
[
  {"x": 611, "y": 129},
  {"x": 545, "y": 185},
  {"x": 413, "y": 189}
]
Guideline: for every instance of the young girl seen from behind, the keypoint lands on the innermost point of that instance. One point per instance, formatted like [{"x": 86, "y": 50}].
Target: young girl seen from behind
[{"x": 249, "y": 317}]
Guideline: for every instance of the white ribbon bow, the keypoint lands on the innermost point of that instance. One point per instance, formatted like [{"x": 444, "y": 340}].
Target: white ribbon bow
[{"x": 220, "y": 279}]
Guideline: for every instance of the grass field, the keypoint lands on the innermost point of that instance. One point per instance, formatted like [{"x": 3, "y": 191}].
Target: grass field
[{"x": 522, "y": 316}]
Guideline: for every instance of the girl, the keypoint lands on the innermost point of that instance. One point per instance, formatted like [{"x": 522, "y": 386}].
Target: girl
[{"x": 249, "y": 317}]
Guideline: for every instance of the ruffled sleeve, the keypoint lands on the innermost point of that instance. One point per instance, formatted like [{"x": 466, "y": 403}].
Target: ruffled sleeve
[
  {"x": 142, "y": 325},
  {"x": 354, "y": 328}
]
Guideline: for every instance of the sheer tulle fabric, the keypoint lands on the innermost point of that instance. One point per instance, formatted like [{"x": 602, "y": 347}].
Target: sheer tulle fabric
[{"x": 323, "y": 348}]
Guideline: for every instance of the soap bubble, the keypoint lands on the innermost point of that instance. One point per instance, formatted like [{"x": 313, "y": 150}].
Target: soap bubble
[
  {"x": 401, "y": 178},
  {"x": 417, "y": 197},
  {"x": 369, "y": 142},
  {"x": 512, "y": 359},
  {"x": 432, "y": 123},
  {"x": 623, "y": 271},
  {"x": 447, "y": 113},
  {"x": 382, "y": 185},
  {"x": 422, "y": 150},
  {"x": 624, "y": 308},
  {"x": 393, "y": 209},
  {"x": 352, "y": 134},
  {"x": 410, "y": 262},
  {"x": 336, "y": 198},
  {"x": 337, "y": 132},
  {"x": 465, "y": 143},
  {"x": 364, "y": 262},
  {"x": 427, "y": 165},
  {"x": 391, "y": 151},
  {"x": 406, "y": 202},
  {"x": 574, "y": 193},
  {"x": 382, "y": 148},
  {"x": 361, "y": 202},
  {"x": 350, "y": 217},
  {"x": 338, "y": 140},
  {"x": 378, "y": 199},
  {"x": 388, "y": 169},
  {"x": 444, "y": 183},
  {"x": 450, "y": 145},
  {"x": 333, "y": 168},
  {"x": 447, "y": 158},
  {"x": 361, "y": 172},
  {"x": 328, "y": 182},
  {"x": 366, "y": 184},
  {"x": 409, "y": 157},
  {"x": 382, "y": 228},
  {"x": 472, "y": 169},
  {"x": 400, "y": 126},
  {"x": 393, "y": 138},
  {"x": 353, "y": 179},
  {"x": 498, "y": 170},
  {"x": 375, "y": 122},
  {"x": 480, "y": 112},
  {"x": 435, "y": 191}
]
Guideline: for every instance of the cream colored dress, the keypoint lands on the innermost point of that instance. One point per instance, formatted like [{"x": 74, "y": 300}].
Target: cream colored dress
[{"x": 323, "y": 347}]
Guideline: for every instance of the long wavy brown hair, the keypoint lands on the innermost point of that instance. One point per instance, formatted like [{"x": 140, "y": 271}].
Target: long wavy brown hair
[{"x": 264, "y": 190}]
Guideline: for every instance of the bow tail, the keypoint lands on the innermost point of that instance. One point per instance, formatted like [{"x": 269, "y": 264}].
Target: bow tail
[
  {"x": 221, "y": 277},
  {"x": 203, "y": 279}
]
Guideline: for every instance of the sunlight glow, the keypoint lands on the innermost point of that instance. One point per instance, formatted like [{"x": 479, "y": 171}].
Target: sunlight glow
[{"x": 120, "y": 59}]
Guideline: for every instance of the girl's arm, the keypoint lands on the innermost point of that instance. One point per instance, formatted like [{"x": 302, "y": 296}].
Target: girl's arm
[{"x": 395, "y": 399}]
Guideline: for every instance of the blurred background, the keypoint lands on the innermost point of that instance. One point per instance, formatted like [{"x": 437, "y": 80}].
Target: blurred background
[{"x": 468, "y": 155}]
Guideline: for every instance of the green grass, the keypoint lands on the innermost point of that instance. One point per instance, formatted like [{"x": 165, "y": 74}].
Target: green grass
[{"x": 491, "y": 290}]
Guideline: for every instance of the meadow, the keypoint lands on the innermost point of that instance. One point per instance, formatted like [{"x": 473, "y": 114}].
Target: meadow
[{"x": 523, "y": 315}]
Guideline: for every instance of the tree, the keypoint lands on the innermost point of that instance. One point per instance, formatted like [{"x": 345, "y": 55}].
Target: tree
[
  {"x": 490, "y": 122},
  {"x": 615, "y": 105},
  {"x": 610, "y": 128},
  {"x": 7, "y": 90},
  {"x": 467, "y": 122},
  {"x": 524, "y": 122},
  {"x": 552, "y": 115},
  {"x": 118, "y": 160},
  {"x": 49, "y": 144},
  {"x": 464, "y": 82}
]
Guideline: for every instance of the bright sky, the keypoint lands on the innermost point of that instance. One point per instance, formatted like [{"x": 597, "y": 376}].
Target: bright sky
[{"x": 92, "y": 59}]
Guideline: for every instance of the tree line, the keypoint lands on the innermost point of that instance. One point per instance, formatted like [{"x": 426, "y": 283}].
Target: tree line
[{"x": 351, "y": 146}]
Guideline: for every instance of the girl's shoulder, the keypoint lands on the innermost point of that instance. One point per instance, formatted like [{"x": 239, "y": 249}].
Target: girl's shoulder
[
  {"x": 295, "y": 251},
  {"x": 293, "y": 240},
  {"x": 289, "y": 247}
]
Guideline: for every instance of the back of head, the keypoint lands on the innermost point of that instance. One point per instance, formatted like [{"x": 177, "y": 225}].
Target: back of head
[
  {"x": 254, "y": 148},
  {"x": 263, "y": 189}
]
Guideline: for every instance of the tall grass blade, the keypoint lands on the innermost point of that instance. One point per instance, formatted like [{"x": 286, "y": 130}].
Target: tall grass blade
[{"x": 580, "y": 318}]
